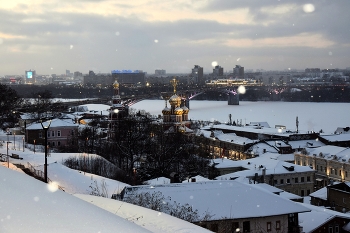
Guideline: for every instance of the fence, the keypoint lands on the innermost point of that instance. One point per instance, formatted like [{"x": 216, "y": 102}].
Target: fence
[{"x": 40, "y": 174}]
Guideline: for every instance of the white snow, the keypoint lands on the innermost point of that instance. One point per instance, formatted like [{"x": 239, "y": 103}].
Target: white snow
[
  {"x": 311, "y": 116},
  {"x": 31, "y": 206}
]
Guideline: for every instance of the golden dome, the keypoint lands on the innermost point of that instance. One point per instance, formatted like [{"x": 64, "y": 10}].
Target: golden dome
[
  {"x": 178, "y": 111},
  {"x": 116, "y": 84},
  {"x": 175, "y": 100},
  {"x": 185, "y": 109},
  {"x": 166, "y": 111}
]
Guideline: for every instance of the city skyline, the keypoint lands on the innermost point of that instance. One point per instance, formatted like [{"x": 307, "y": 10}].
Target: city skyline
[{"x": 52, "y": 36}]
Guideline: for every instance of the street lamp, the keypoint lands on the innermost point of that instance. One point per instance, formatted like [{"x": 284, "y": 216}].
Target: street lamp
[
  {"x": 8, "y": 158},
  {"x": 45, "y": 128}
]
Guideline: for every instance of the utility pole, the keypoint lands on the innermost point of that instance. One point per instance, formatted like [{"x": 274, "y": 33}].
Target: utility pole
[{"x": 45, "y": 128}]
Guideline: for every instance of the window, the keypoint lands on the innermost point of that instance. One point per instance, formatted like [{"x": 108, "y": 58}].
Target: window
[
  {"x": 330, "y": 229},
  {"x": 339, "y": 172},
  {"x": 275, "y": 182},
  {"x": 296, "y": 180},
  {"x": 268, "y": 226},
  {"x": 304, "y": 163},
  {"x": 321, "y": 169},
  {"x": 335, "y": 172},
  {"x": 278, "y": 225},
  {"x": 317, "y": 167},
  {"x": 336, "y": 229},
  {"x": 246, "y": 226},
  {"x": 302, "y": 192},
  {"x": 346, "y": 174},
  {"x": 302, "y": 179},
  {"x": 48, "y": 134},
  {"x": 288, "y": 181},
  {"x": 58, "y": 143},
  {"x": 59, "y": 133},
  {"x": 53, "y": 133},
  {"x": 40, "y": 134},
  {"x": 281, "y": 181},
  {"x": 308, "y": 179}
]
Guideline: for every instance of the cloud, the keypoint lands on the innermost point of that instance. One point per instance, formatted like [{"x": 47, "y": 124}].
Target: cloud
[{"x": 188, "y": 32}]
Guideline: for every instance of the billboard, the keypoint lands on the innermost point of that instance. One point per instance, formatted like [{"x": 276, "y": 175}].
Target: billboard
[{"x": 30, "y": 74}]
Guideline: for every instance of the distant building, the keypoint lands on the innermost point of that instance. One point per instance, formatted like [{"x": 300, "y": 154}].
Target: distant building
[
  {"x": 238, "y": 72},
  {"x": 330, "y": 162},
  {"x": 160, "y": 72},
  {"x": 218, "y": 71},
  {"x": 93, "y": 79},
  {"x": 129, "y": 77},
  {"x": 77, "y": 74},
  {"x": 30, "y": 76},
  {"x": 196, "y": 75}
]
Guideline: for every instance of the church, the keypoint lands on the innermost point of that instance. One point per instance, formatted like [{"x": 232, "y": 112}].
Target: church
[{"x": 175, "y": 117}]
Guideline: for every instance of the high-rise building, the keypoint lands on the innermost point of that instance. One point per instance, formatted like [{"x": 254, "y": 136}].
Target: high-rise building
[
  {"x": 218, "y": 71},
  {"x": 30, "y": 76},
  {"x": 196, "y": 75},
  {"x": 238, "y": 72}
]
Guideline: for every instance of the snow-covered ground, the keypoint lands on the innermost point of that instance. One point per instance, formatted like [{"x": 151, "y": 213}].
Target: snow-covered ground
[
  {"x": 311, "y": 116},
  {"x": 29, "y": 205}
]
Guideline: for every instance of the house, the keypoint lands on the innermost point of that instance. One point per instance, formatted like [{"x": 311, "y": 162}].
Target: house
[
  {"x": 286, "y": 176},
  {"x": 321, "y": 219},
  {"x": 227, "y": 206},
  {"x": 60, "y": 132},
  {"x": 332, "y": 163}
]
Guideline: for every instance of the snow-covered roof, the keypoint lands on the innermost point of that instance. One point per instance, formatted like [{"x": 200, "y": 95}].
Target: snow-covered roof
[
  {"x": 226, "y": 137},
  {"x": 53, "y": 123},
  {"x": 197, "y": 178},
  {"x": 277, "y": 191},
  {"x": 256, "y": 165},
  {"x": 153, "y": 221},
  {"x": 317, "y": 217},
  {"x": 156, "y": 181},
  {"x": 251, "y": 129},
  {"x": 322, "y": 193},
  {"x": 341, "y": 154},
  {"x": 305, "y": 144},
  {"x": 337, "y": 137},
  {"x": 224, "y": 199}
]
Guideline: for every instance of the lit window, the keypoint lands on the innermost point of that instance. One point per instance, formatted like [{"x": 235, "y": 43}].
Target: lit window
[{"x": 268, "y": 226}]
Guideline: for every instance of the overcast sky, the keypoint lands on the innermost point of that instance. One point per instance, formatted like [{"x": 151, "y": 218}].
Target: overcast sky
[{"x": 50, "y": 36}]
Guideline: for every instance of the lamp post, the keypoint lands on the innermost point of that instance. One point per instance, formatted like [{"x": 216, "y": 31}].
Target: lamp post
[
  {"x": 8, "y": 158},
  {"x": 45, "y": 128}
]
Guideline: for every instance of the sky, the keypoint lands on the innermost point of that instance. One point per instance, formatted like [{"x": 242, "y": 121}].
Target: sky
[{"x": 50, "y": 36}]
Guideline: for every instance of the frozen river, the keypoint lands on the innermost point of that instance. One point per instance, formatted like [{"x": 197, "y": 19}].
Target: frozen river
[{"x": 312, "y": 116}]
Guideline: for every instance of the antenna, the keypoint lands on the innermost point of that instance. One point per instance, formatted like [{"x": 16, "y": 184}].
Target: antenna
[{"x": 297, "y": 124}]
